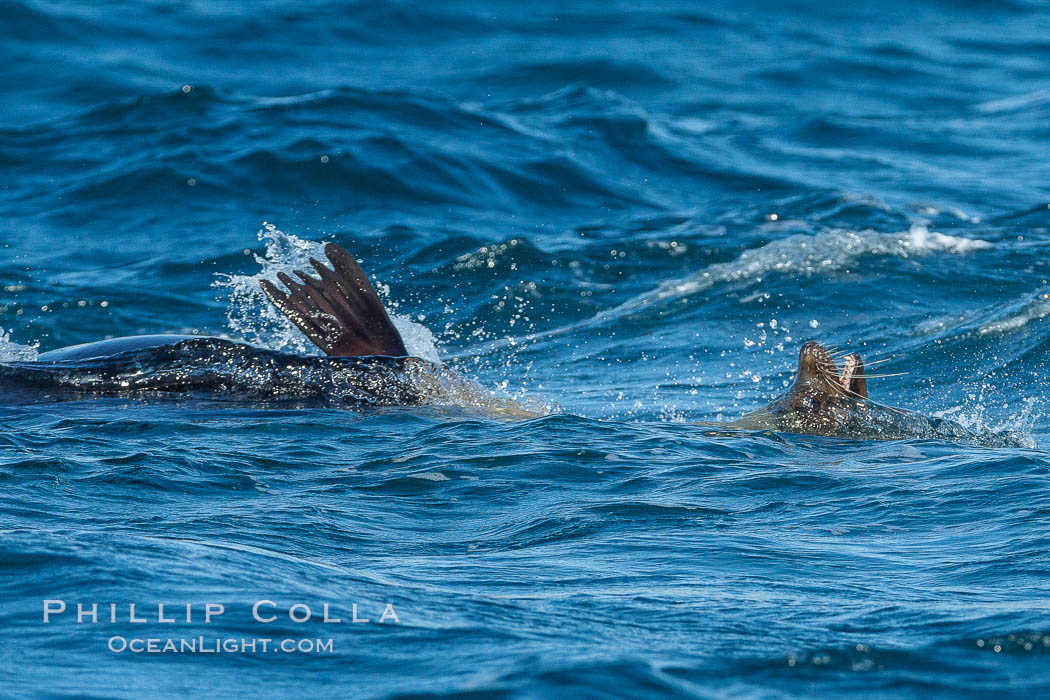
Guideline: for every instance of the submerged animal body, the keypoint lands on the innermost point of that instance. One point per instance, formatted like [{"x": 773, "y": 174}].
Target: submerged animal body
[
  {"x": 109, "y": 347},
  {"x": 339, "y": 310},
  {"x": 202, "y": 365}
]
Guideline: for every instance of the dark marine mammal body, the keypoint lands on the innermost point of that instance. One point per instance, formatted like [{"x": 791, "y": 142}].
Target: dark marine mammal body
[
  {"x": 338, "y": 310},
  {"x": 110, "y": 346},
  {"x": 828, "y": 401},
  {"x": 822, "y": 400},
  {"x": 202, "y": 366}
]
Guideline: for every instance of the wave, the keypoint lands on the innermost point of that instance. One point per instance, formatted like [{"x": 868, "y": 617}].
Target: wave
[
  {"x": 808, "y": 256},
  {"x": 413, "y": 148},
  {"x": 1011, "y": 317},
  {"x": 799, "y": 255}
]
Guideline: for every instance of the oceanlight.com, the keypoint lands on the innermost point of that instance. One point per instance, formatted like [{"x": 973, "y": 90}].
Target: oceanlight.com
[{"x": 228, "y": 645}]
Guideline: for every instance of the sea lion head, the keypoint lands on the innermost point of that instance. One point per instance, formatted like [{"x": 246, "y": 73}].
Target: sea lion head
[
  {"x": 822, "y": 396},
  {"x": 826, "y": 400},
  {"x": 818, "y": 374}
]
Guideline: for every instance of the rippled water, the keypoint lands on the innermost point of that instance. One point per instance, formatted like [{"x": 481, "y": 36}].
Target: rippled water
[{"x": 614, "y": 222}]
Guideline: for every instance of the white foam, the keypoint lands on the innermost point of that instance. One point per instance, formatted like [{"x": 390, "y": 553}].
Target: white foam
[
  {"x": 252, "y": 316},
  {"x": 974, "y": 418},
  {"x": 13, "y": 352},
  {"x": 419, "y": 341},
  {"x": 1035, "y": 308},
  {"x": 808, "y": 256},
  {"x": 922, "y": 240},
  {"x": 431, "y": 476}
]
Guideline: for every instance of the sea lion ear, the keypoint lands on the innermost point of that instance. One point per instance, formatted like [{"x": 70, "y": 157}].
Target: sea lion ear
[
  {"x": 340, "y": 312},
  {"x": 858, "y": 384}
]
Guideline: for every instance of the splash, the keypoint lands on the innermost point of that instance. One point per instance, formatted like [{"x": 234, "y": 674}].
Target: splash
[
  {"x": 973, "y": 417},
  {"x": 251, "y": 316},
  {"x": 419, "y": 341},
  {"x": 13, "y": 352},
  {"x": 249, "y": 313}
]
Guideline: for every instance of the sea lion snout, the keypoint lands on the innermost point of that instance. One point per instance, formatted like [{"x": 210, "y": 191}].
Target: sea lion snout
[
  {"x": 818, "y": 372},
  {"x": 814, "y": 361},
  {"x": 811, "y": 351}
]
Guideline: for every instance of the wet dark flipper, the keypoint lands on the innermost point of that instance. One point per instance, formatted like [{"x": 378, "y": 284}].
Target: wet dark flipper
[{"x": 339, "y": 311}]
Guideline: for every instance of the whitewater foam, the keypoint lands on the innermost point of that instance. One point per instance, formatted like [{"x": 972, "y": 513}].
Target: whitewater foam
[
  {"x": 11, "y": 351},
  {"x": 810, "y": 255},
  {"x": 1030, "y": 310}
]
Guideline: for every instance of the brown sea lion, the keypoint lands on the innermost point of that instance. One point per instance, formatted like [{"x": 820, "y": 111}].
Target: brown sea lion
[
  {"x": 338, "y": 309},
  {"x": 822, "y": 400},
  {"x": 829, "y": 401}
]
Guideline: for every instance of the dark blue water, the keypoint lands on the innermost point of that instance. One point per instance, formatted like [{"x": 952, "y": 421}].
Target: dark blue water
[{"x": 618, "y": 220}]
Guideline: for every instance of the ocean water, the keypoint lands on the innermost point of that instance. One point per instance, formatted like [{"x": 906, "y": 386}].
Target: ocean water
[{"x": 615, "y": 221}]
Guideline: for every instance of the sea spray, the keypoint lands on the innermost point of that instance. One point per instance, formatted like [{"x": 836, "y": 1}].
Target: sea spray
[
  {"x": 13, "y": 352},
  {"x": 252, "y": 316}
]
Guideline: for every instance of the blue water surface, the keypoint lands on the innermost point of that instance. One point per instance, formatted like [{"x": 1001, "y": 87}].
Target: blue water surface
[{"x": 619, "y": 220}]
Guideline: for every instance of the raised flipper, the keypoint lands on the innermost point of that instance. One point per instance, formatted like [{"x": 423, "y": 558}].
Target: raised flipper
[{"x": 340, "y": 312}]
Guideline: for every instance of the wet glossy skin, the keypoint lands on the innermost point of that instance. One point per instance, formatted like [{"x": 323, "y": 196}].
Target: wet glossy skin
[{"x": 111, "y": 346}]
